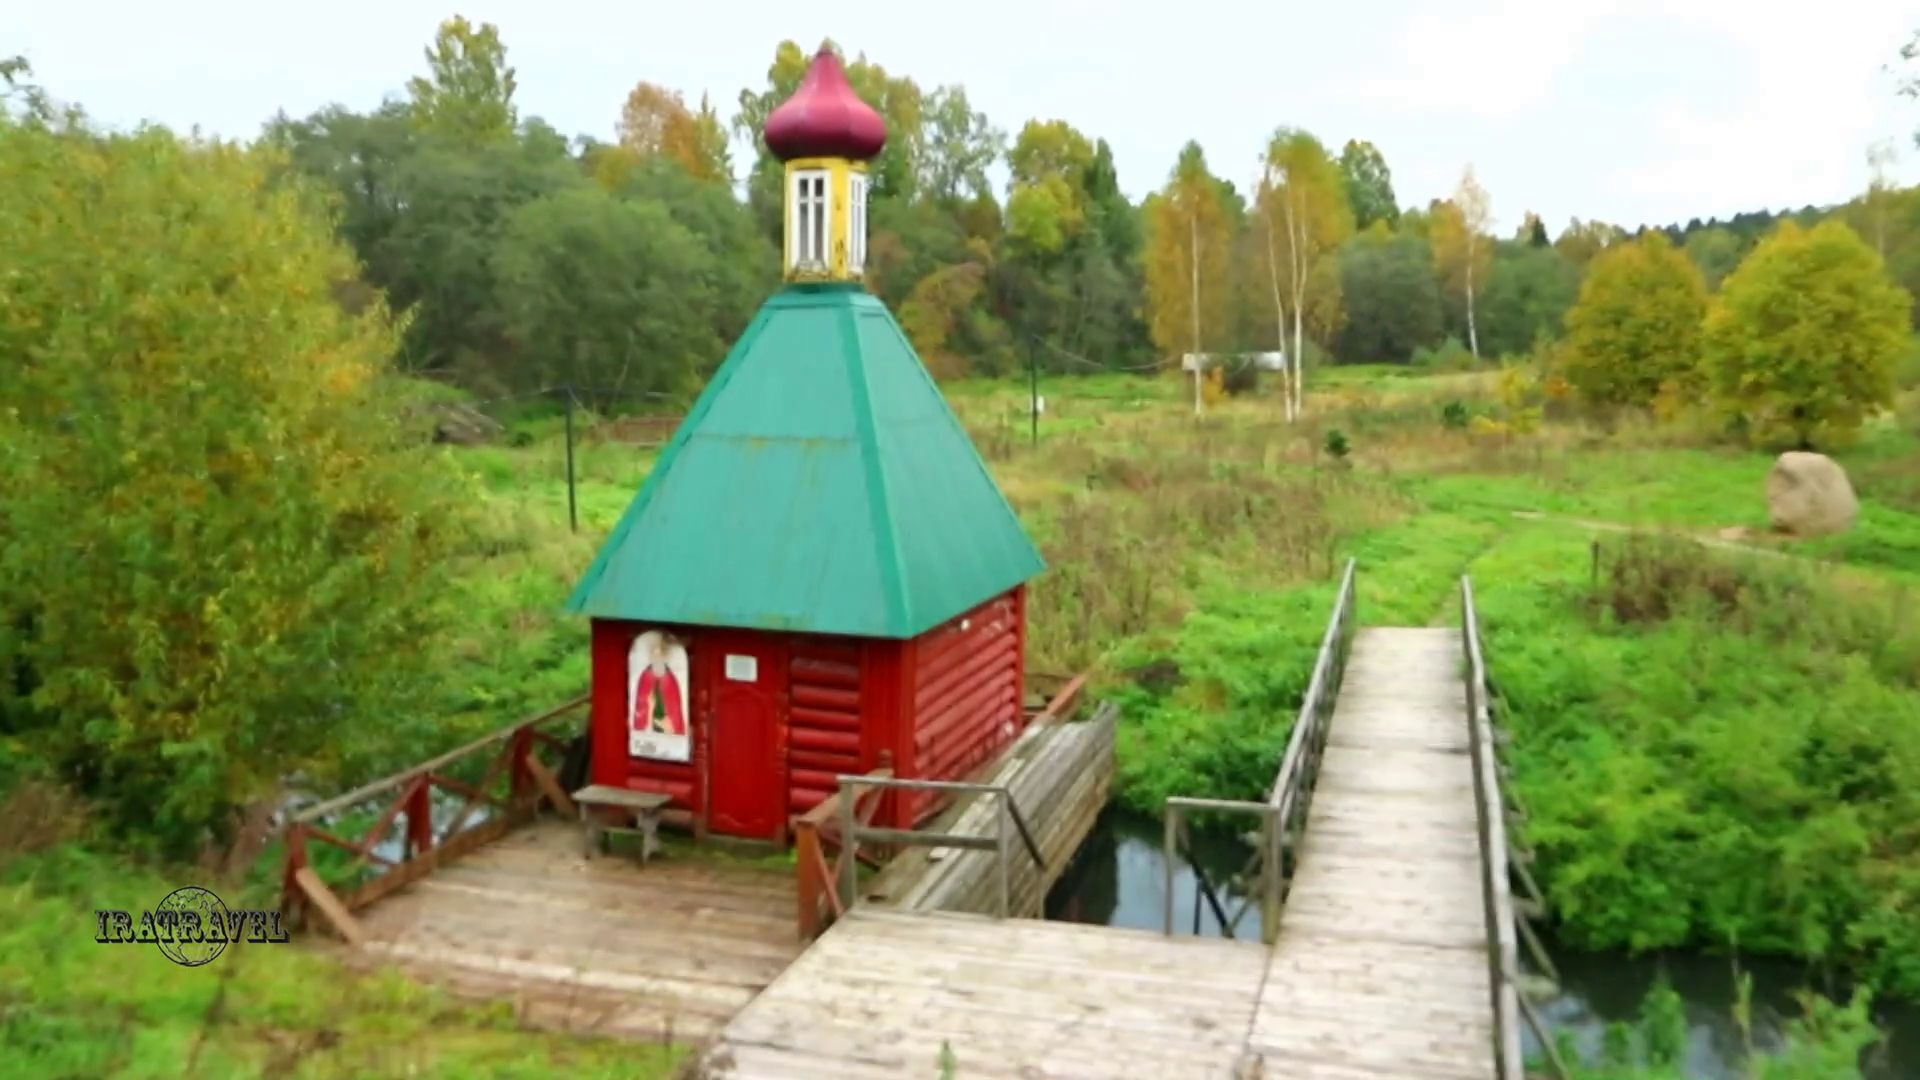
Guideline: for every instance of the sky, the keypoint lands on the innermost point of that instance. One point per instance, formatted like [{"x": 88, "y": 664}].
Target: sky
[{"x": 1628, "y": 111}]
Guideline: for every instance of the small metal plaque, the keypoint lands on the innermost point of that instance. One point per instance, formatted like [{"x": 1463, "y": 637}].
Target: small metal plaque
[{"x": 743, "y": 668}]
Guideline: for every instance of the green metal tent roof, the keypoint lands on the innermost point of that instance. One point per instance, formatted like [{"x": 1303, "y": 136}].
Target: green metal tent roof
[{"x": 819, "y": 484}]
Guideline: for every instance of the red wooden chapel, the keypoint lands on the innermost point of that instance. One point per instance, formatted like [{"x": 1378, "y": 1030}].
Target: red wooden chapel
[{"x": 819, "y": 575}]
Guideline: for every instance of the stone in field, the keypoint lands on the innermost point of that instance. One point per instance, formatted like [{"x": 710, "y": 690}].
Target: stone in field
[{"x": 1808, "y": 495}]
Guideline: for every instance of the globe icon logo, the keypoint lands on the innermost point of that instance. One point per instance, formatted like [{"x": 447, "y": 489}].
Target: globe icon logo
[{"x": 210, "y": 910}]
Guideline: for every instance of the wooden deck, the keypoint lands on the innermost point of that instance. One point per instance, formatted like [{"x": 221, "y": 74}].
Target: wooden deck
[
  {"x": 1380, "y": 968},
  {"x": 664, "y": 952},
  {"x": 1381, "y": 964},
  {"x": 882, "y": 992}
]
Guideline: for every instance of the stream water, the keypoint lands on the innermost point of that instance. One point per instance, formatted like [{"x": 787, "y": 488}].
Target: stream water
[{"x": 1118, "y": 879}]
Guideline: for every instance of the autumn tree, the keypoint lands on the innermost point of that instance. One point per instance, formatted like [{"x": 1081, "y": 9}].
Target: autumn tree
[
  {"x": 1369, "y": 184},
  {"x": 467, "y": 93},
  {"x": 1303, "y": 212},
  {"x": 1462, "y": 249},
  {"x": 960, "y": 145},
  {"x": 1803, "y": 340},
  {"x": 1046, "y": 195},
  {"x": 266, "y": 546},
  {"x": 1068, "y": 280},
  {"x": 1581, "y": 241},
  {"x": 1635, "y": 331},
  {"x": 655, "y": 122},
  {"x": 1188, "y": 257},
  {"x": 936, "y": 310}
]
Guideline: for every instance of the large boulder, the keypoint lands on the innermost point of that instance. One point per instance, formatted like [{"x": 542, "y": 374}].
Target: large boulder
[{"x": 1808, "y": 495}]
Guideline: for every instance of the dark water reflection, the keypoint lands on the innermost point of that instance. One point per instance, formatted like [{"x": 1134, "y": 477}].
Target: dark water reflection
[
  {"x": 1598, "y": 989},
  {"x": 1117, "y": 879}
]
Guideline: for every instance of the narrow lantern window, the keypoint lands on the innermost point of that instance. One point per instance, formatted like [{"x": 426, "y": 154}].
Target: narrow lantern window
[
  {"x": 857, "y": 233},
  {"x": 809, "y": 226},
  {"x": 818, "y": 253}
]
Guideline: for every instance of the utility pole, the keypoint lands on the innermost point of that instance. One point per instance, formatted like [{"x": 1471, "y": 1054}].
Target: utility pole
[{"x": 573, "y": 513}]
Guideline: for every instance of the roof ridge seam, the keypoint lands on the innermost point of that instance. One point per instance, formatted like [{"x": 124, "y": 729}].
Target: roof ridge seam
[{"x": 893, "y": 584}]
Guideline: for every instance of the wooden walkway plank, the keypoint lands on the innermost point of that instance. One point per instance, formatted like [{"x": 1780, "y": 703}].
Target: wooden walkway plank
[
  {"x": 1011, "y": 997},
  {"x": 1380, "y": 968},
  {"x": 671, "y": 950}
]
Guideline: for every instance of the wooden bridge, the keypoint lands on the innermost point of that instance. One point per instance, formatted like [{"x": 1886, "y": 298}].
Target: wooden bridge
[{"x": 1387, "y": 944}]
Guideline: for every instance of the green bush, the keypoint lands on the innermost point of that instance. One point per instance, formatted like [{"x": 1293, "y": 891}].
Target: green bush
[
  {"x": 219, "y": 554},
  {"x": 1714, "y": 750},
  {"x": 1450, "y": 356}
]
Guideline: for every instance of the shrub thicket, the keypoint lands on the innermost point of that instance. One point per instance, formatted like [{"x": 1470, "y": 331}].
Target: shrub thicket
[{"x": 217, "y": 560}]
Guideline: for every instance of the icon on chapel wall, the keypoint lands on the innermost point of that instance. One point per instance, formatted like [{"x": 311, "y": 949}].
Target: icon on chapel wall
[{"x": 657, "y": 698}]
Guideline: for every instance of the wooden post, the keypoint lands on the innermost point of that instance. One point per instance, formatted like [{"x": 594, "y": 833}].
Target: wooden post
[
  {"x": 1270, "y": 878},
  {"x": 420, "y": 816},
  {"x": 290, "y": 894},
  {"x": 1166, "y": 861},
  {"x": 849, "y": 846},
  {"x": 519, "y": 780},
  {"x": 1004, "y": 849},
  {"x": 807, "y": 857}
]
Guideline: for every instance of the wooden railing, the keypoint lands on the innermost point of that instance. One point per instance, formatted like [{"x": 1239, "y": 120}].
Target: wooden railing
[
  {"x": 815, "y": 881},
  {"x": 1284, "y": 812},
  {"x": 516, "y": 767},
  {"x": 1008, "y": 820},
  {"x": 1500, "y": 862},
  {"x": 817, "y": 834},
  {"x": 1179, "y": 842}
]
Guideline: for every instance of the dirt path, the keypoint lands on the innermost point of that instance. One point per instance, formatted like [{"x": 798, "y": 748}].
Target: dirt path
[{"x": 1705, "y": 541}]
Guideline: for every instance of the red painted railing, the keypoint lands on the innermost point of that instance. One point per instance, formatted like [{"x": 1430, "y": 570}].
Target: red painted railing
[{"x": 511, "y": 788}]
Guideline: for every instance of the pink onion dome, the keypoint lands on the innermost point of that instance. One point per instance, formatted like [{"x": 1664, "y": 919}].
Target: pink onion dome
[{"x": 825, "y": 118}]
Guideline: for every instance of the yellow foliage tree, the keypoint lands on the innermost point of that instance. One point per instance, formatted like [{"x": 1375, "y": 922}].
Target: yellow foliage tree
[
  {"x": 1188, "y": 254},
  {"x": 1806, "y": 334},
  {"x": 1302, "y": 203},
  {"x": 930, "y": 310},
  {"x": 1636, "y": 326},
  {"x": 253, "y": 587},
  {"x": 655, "y": 122}
]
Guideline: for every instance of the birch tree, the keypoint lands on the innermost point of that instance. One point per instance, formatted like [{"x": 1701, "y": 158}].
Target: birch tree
[
  {"x": 1189, "y": 250},
  {"x": 1880, "y": 189},
  {"x": 1462, "y": 249},
  {"x": 1302, "y": 203}
]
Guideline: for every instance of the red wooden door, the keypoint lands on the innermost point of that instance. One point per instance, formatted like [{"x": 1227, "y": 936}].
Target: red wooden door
[{"x": 747, "y": 783}]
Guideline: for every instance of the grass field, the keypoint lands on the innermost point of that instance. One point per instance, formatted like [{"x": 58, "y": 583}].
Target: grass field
[{"x": 1718, "y": 748}]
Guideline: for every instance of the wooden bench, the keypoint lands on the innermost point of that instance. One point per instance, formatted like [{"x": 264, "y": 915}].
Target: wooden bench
[{"x": 642, "y": 807}]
